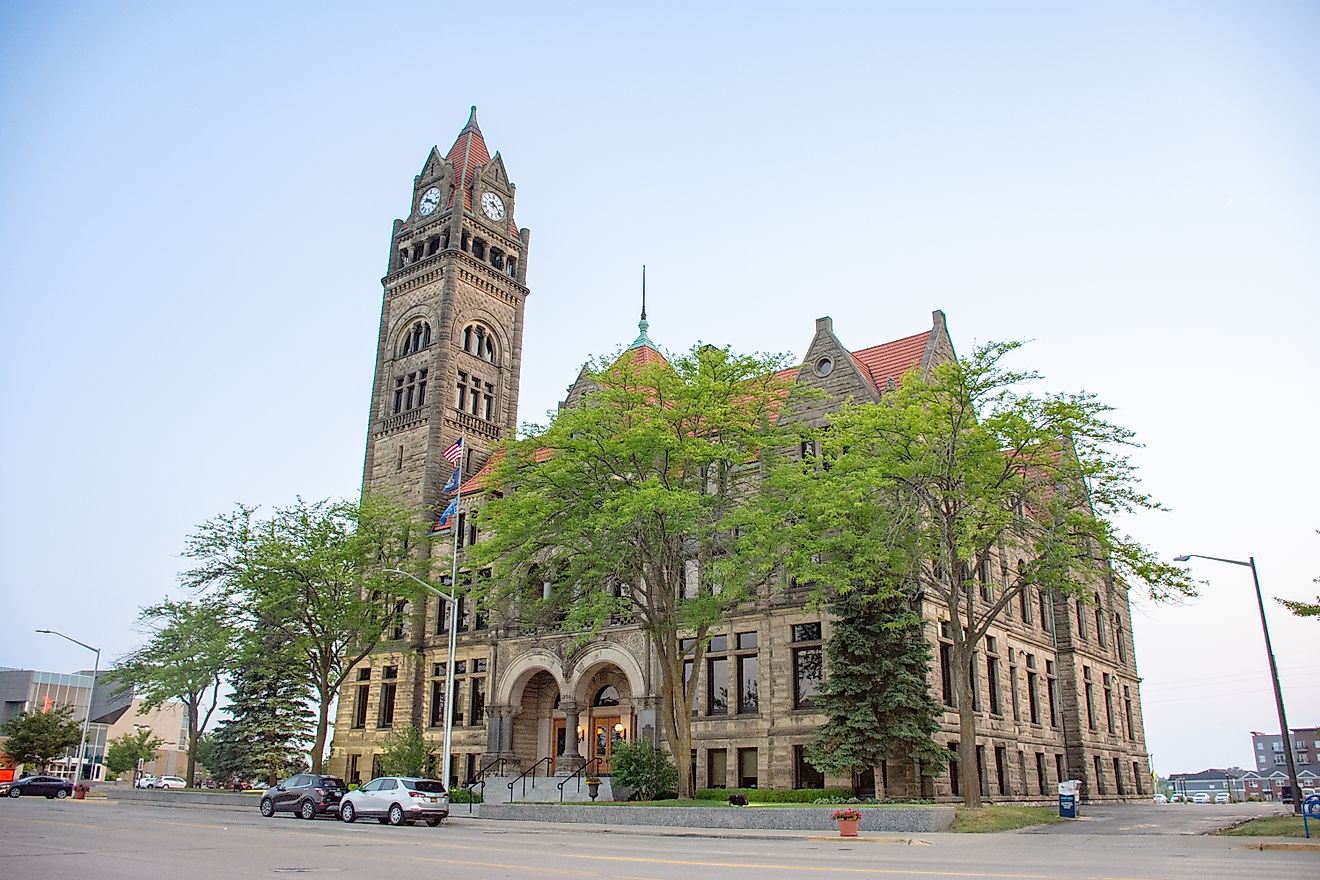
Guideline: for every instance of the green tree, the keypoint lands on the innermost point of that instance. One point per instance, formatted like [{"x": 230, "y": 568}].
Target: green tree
[
  {"x": 313, "y": 572},
  {"x": 270, "y": 721},
  {"x": 123, "y": 752},
  {"x": 36, "y": 738},
  {"x": 189, "y": 650},
  {"x": 642, "y": 766},
  {"x": 876, "y": 697},
  {"x": 625, "y": 502},
  {"x": 953, "y": 474},
  {"x": 407, "y": 752}
]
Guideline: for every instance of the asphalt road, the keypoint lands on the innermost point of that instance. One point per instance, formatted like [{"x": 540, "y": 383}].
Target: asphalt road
[{"x": 71, "y": 839}]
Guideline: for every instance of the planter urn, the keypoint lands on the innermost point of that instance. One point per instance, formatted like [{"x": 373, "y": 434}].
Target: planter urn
[{"x": 848, "y": 827}]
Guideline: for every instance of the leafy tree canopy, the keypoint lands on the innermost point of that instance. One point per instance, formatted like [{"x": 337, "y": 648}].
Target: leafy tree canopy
[
  {"x": 313, "y": 573},
  {"x": 36, "y": 738},
  {"x": 407, "y": 752},
  {"x": 123, "y": 752},
  {"x": 625, "y": 505}
]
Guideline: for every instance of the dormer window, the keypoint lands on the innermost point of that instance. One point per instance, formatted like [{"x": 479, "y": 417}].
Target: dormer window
[
  {"x": 478, "y": 341},
  {"x": 417, "y": 337}
]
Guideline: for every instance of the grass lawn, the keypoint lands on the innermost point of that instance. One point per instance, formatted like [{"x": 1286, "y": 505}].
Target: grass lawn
[
  {"x": 1272, "y": 826},
  {"x": 1005, "y": 818}
]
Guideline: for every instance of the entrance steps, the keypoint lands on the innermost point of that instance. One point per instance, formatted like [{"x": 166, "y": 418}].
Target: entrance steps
[{"x": 543, "y": 789}]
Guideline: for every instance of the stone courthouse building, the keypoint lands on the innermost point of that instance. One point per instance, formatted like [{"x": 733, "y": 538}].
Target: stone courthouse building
[{"x": 1056, "y": 690}]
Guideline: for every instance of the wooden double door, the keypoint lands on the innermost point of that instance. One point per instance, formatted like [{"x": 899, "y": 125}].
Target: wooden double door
[{"x": 604, "y": 733}]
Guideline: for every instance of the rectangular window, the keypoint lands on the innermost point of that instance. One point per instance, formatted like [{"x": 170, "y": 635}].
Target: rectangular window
[
  {"x": 807, "y": 675},
  {"x": 747, "y": 768},
  {"x": 398, "y": 395},
  {"x": 717, "y": 686},
  {"x": 1024, "y": 605},
  {"x": 746, "y": 641},
  {"x": 806, "y": 632},
  {"x": 1042, "y": 782},
  {"x": 992, "y": 683},
  {"x": 462, "y": 528},
  {"x": 1118, "y": 639},
  {"x": 478, "y": 688},
  {"x": 437, "y": 703},
  {"x": 1013, "y": 687},
  {"x": 400, "y": 615},
  {"x": 805, "y": 775},
  {"x": 946, "y": 675},
  {"x": 1109, "y": 702},
  {"x": 387, "y": 691},
  {"x": 1090, "y": 697},
  {"x": 1100, "y": 629},
  {"x": 1001, "y": 769},
  {"x": 748, "y": 685},
  {"x": 1099, "y": 776},
  {"x": 717, "y": 768},
  {"x": 1081, "y": 620},
  {"x": 1058, "y": 768},
  {"x": 1046, "y": 618},
  {"x": 360, "y": 707},
  {"x": 458, "y": 700},
  {"x": 1118, "y": 775},
  {"x": 953, "y": 769},
  {"x": 1033, "y": 702},
  {"x": 1138, "y": 777},
  {"x": 1052, "y": 685},
  {"x": 421, "y": 388},
  {"x": 488, "y": 402}
]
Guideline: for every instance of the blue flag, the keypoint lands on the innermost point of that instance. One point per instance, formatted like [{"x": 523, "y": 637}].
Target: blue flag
[
  {"x": 452, "y": 485},
  {"x": 449, "y": 511}
]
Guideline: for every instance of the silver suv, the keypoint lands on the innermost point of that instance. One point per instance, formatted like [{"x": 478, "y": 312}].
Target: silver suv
[{"x": 398, "y": 800}]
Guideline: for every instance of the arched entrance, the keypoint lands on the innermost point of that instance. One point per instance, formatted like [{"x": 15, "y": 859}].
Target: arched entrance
[
  {"x": 537, "y": 720},
  {"x": 607, "y": 713}
]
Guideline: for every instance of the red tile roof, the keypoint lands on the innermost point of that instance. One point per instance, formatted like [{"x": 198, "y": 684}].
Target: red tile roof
[{"x": 890, "y": 360}]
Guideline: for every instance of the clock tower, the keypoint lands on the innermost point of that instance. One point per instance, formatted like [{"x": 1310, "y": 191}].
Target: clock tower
[{"x": 449, "y": 351}]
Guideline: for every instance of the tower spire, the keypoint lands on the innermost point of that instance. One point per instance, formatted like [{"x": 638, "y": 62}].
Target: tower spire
[{"x": 642, "y": 325}]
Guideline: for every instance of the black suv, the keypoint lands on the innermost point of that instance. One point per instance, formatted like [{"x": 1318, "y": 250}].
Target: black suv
[{"x": 307, "y": 795}]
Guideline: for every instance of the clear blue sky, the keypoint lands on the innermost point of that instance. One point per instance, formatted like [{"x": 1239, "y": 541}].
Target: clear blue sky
[{"x": 195, "y": 207}]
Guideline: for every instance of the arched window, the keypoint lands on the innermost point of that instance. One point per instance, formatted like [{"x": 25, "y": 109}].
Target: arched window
[
  {"x": 606, "y": 696},
  {"x": 416, "y": 338},
  {"x": 479, "y": 341}
]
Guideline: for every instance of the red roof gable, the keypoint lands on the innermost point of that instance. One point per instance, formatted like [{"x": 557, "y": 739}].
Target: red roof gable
[{"x": 890, "y": 360}]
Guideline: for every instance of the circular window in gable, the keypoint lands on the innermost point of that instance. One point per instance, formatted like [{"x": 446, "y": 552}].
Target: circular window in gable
[{"x": 824, "y": 366}]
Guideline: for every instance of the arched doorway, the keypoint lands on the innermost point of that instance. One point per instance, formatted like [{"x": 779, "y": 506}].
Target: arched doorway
[
  {"x": 534, "y": 721},
  {"x": 607, "y": 714}
]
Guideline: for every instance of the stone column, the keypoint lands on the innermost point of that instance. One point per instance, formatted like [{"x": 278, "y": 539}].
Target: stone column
[
  {"x": 572, "y": 758},
  {"x": 646, "y": 712}
]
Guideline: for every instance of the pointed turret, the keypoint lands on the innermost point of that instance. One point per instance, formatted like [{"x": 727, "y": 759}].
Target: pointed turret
[{"x": 468, "y": 153}]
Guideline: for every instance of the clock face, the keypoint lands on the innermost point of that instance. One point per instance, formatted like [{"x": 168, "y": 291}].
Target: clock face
[
  {"x": 492, "y": 206},
  {"x": 430, "y": 201}
]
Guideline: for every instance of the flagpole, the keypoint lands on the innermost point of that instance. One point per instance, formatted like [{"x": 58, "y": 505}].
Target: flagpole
[{"x": 453, "y": 621}]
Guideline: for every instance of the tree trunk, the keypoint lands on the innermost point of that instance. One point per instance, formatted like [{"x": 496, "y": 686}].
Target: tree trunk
[
  {"x": 969, "y": 775},
  {"x": 676, "y": 724},
  {"x": 322, "y": 726},
  {"x": 193, "y": 734}
]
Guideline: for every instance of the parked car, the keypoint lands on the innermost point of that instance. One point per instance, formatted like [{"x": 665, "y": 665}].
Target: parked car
[
  {"x": 306, "y": 795},
  {"x": 50, "y": 786},
  {"x": 1221, "y": 797},
  {"x": 398, "y": 800},
  {"x": 168, "y": 782},
  {"x": 1160, "y": 799},
  {"x": 1178, "y": 798},
  {"x": 1201, "y": 797},
  {"x": 145, "y": 782}
]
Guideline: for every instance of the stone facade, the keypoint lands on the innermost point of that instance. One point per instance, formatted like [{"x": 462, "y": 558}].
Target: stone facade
[{"x": 527, "y": 697}]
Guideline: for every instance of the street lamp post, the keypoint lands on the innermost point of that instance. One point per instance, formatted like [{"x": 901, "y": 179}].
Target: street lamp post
[
  {"x": 449, "y": 666},
  {"x": 1274, "y": 671},
  {"x": 91, "y": 692}
]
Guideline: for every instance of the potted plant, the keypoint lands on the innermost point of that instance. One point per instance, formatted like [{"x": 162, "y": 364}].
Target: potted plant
[
  {"x": 593, "y": 786},
  {"x": 847, "y": 818}
]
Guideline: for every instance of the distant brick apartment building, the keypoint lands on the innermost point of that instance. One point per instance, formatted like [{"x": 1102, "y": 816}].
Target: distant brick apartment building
[
  {"x": 1057, "y": 691},
  {"x": 1270, "y": 777}
]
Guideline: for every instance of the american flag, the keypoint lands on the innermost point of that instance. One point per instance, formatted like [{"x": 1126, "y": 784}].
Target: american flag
[{"x": 454, "y": 452}]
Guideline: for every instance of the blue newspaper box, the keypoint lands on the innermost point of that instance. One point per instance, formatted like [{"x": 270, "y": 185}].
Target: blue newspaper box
[{"x": 1068, "y": 799}]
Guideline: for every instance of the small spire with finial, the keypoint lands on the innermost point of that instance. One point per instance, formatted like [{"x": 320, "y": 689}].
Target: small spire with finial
[{"x": 642, "y": 325}]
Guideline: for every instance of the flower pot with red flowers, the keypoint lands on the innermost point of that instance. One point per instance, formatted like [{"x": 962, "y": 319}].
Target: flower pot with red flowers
[{"x": 847, "y": 819}]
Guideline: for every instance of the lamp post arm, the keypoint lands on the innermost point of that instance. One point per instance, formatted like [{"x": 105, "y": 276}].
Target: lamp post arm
[
  {"x": 448, "y": 598},
  {"x": 1187, "y": 556},
  {"x": 70, "y": 639}
]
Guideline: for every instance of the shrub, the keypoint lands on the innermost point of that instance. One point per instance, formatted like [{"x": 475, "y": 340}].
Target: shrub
[
  {"x": 642, "y": 766},
  {"x": 463, "y": 796}
]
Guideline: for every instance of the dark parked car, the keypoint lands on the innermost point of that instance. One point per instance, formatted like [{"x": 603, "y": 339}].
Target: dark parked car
[
  {"x": 50, "y": 786},
  {"x": 307, "y": 795}
]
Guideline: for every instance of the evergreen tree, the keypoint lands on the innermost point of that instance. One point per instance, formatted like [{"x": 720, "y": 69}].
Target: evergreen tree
[
  {"x": 876, "y": 695},
  {"x": 270, "y": 720}
]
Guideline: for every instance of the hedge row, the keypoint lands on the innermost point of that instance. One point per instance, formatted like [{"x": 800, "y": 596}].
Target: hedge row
[{"x": 772, "y": 795}]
